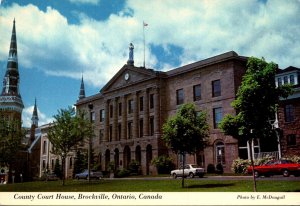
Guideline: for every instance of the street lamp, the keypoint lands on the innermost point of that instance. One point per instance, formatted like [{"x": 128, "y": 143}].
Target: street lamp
[
  {"x": 91, "y": 106},
  {"x": 275, "y": 126}
]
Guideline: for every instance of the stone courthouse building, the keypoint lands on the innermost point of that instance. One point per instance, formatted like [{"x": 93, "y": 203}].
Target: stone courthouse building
[{"x": 129, "y": 111}]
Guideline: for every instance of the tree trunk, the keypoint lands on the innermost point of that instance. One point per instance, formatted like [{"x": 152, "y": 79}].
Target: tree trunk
[
  {"x": 89, "y": 159},
  {"x": 183, "y": 165},
  {"x": 63, "y": 170},
  {"x": 9, "y": 175},
  {"x": 252, "y": 164}
]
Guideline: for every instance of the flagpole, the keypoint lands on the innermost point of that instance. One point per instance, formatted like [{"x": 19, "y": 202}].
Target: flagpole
[{"x": 144, "y": 42}]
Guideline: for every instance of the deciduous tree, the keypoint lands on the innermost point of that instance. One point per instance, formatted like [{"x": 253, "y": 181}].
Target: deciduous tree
[
  {"x": 11, "y": 136},
  {"x": 255, "y": 104},
  {"x": 67, "y": 131},
  {"x": 186, "y": 132}
]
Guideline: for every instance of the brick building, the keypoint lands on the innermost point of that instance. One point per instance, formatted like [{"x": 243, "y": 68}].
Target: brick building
[
  {"x": 289, "y": 112},
  {"x": 129, "y": 111}
]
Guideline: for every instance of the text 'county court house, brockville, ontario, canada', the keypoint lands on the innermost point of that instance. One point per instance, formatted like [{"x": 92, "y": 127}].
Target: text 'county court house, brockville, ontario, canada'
[{"x": 130, "y": 109}]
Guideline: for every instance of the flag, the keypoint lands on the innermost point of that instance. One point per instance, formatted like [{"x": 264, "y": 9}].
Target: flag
[{"x": 145, "y": 24}]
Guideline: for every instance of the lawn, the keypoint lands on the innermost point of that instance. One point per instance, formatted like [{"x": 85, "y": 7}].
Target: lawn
[{"x": 121, "y": 185}]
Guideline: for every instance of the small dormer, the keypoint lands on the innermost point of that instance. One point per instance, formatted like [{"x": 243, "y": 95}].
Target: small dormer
[{"x": 290, "y": 75}]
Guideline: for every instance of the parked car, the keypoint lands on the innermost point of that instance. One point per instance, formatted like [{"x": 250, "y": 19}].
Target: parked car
[
  {"x": 276, "y": 167},
  {"x": 190, "y": 170},
  {"x": 93, "y": 175},
  {"x": 51, "y": 177}
]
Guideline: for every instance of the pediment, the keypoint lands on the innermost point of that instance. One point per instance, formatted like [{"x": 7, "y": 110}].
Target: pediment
[{"x": 128, "y": 75}]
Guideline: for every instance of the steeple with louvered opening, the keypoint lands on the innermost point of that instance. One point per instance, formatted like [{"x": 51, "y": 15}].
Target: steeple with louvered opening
[{"x": 10, "y": 99}]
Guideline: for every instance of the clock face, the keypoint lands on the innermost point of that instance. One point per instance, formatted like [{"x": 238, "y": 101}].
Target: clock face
[{"x": 126, "y": 76}]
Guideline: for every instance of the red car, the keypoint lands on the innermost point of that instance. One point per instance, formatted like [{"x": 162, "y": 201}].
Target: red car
[{"x": 276, "y": 167}]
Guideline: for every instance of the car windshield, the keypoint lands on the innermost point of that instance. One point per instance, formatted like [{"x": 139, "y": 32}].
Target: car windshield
[
  {"x": 195, "y": 166},
  {"x": 270, "y": 162},
  {"x": 286, "y": 162}
]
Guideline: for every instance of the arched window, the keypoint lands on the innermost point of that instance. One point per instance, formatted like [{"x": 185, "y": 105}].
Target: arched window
[
  {"x": 44, "y": 146},
  {"x": 71, "y": 163},
  {"x": 107, "y": 159},
  {"x": 220, "y": 153},
  {"x": 44, "y": 164},
  {"x": 52, "y": 164}
]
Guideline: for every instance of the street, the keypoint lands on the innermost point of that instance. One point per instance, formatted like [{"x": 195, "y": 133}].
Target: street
[{"x": 275, "y": 178}]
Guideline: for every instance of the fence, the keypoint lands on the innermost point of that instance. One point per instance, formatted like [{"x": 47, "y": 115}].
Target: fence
[{"x": 260, "y": 155}]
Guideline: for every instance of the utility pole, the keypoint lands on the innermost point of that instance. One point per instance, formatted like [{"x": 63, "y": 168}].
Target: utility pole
[{"x": 144, "y": 24}]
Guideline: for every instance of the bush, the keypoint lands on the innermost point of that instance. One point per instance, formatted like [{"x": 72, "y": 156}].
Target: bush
[
  {"x": 211, "y": 168},
  {"x": 219, "y": 169},
  {"x": 122, "y": 173},
  {"x": 294, "y": 158},
  {"x": 164, "y": 164},
  {"x": 134, "y": 167},
  {"x": 97, "y": 167},
  {"x": 111, "y": 166},
  {"x": 263, "y": 160},
  {"x": 239, "y": 166}
]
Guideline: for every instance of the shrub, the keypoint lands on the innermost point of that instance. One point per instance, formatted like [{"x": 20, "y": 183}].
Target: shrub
[
  {"x": 164, "y": 164},
  {"x": 111, "y": 166},
  {"x": 263, "y": 160},
  {"x": 122, "y": 173},
  {"x": 134, "y": 167},
  {"x": 239, "y": 166},
  {"x": 211, "y": 168},
  {"x": 294, "y": 158},
  {"x": 97, "y": 167},
  {"x": 219, "y": 169}
]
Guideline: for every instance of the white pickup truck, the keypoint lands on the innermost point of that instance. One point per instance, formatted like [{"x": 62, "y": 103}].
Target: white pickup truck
[{"x": 190, "y": 170}]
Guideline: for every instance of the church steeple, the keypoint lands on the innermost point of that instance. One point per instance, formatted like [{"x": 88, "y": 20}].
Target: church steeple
[
  {"x": 10, "y": 98},
  {"x": 34, "y": 123},
  {"x": 82, "y": 90},
  {"x": 11, "y": 79},
  {"x": 35, "y": 117}
]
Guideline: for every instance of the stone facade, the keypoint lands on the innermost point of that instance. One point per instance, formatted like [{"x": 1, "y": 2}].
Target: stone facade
[{"x": 131, "y": 108}]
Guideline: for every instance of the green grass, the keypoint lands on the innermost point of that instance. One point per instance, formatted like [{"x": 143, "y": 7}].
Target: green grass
[{"x": 153, "y": 186}]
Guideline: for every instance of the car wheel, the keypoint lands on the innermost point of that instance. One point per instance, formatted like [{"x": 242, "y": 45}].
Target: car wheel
[
  {"x": 285, "y": 173},
  {"x": 191, "y": 175},
  {"x": 174, "y": 175},
  {"x": 256, "y": 173}
]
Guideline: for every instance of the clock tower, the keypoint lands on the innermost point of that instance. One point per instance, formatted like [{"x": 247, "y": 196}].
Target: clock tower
[{"x": 11, "y": 104}]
